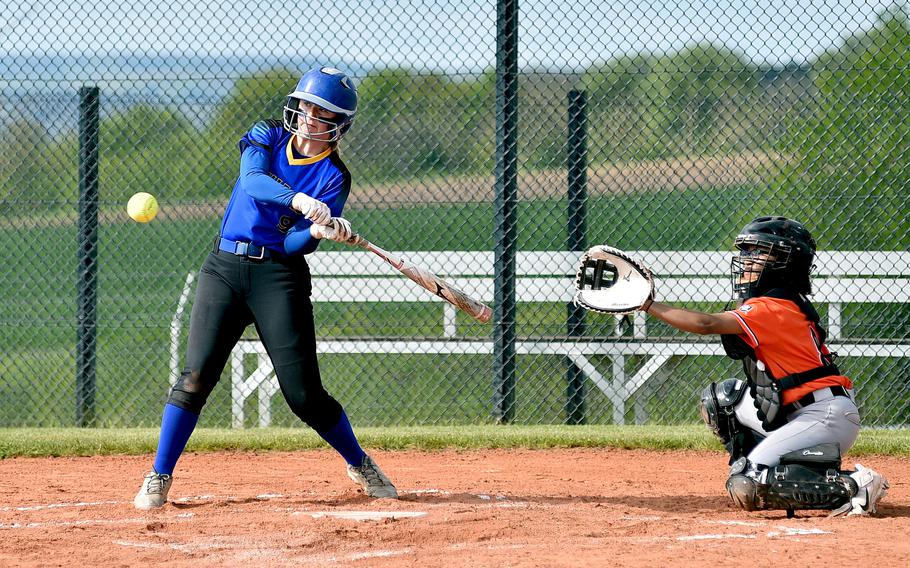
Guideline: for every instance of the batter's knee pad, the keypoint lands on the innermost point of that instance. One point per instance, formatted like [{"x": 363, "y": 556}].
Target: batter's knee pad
[
  {"x": 191, "y": 401},
  {"x": 187, "y": 393}
]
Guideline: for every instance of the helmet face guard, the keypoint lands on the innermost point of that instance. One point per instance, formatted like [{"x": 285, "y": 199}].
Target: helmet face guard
[
  {"x": 329, "y": 89},
  {"x": 774, "y": 252},
  {"x": 756, "y": 265},
  {"x": 296, "y": 118}
]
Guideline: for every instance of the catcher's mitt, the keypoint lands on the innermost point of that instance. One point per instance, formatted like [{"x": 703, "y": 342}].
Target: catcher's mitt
[{"x": 611, "y": 282}]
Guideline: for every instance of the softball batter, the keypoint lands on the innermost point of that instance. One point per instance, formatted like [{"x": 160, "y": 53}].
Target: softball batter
[
  {"x": 290, "y": 194},
  {"x": 786, "y": 424}
]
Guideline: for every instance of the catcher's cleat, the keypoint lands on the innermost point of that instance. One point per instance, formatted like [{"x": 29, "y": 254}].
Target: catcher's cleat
[
  {"x": 872, "y": 487},
  {"x": 372, "y": 480},
  {"x": 153, "y": 493}
]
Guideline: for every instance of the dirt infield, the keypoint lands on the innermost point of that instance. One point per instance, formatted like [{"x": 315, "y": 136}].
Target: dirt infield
[{"x": 578, "y": 507}]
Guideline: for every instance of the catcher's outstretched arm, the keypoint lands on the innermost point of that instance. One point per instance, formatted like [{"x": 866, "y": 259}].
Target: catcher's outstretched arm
[{"x": 695, "y": 322}]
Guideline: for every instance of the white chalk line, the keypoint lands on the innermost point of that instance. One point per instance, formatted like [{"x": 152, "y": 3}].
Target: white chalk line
[
  {"x": 188, "y": 548},
  {"x": 193, "y": 548},
  {"x": 715, "y": 536},
  {"x": 60, "y": 505},
  {"x": 154, "y": 545},
  {"x": 494, "y": 546},
  {"x": 795, "y": 531},
  {"x": 85, "y": 522},
  {"x": 782, "y": 531},
  {"x": 86, "y": 504},
  {"x": 362, "y": 515},
  {"x": 738, "y": 523},
  {"x": 507, "y": 505},
  {"x": 353, "y": 515},
  {"x": 326, "y": 558},
  {"x": 377, "y": 554},
  {"x": 499, "y": 497},
  {"x": 210, "y": 497}
]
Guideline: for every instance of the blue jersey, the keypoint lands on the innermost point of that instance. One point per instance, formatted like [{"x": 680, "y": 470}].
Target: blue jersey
[{"x": 271, "y": 172}]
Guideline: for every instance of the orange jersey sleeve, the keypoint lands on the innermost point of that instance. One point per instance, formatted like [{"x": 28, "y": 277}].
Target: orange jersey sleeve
[{"x": 786, "y": 342}]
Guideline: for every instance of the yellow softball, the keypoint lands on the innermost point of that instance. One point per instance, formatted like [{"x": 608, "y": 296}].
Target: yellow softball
[{"x": 142, "y": 207}]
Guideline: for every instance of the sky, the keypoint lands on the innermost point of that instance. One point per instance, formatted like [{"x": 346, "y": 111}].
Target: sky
[{"x": 456, "y": 36}]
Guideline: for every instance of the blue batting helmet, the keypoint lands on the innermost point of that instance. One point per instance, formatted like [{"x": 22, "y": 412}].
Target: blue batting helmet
[{"x": 328, "y": 88}]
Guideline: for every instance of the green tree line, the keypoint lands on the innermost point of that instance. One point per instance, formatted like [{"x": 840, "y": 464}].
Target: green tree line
[
  {"x": 850, "y": 150},
  {"x": 839, "y": 123}
]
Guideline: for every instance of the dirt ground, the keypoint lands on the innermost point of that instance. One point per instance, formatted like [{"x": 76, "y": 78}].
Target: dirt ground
[{"x": 578, "y": 507}]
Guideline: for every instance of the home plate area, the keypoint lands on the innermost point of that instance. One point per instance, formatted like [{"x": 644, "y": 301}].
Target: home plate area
[
  {"x": 364, "y": 515},
  {"x": 560, "y": 507}
]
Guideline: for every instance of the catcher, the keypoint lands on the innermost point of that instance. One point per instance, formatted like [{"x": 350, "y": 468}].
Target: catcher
[{"x": 786, "y": 424}]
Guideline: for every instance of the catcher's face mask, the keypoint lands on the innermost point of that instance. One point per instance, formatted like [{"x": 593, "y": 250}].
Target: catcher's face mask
[
  {"x": 755, "y": 259},
  {"x": 775, "y": 252},
  {"x": 751, "y": 262}
]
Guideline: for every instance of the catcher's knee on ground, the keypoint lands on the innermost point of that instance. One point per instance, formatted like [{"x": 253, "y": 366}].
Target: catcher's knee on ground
[{"x": 805, "y": 479}]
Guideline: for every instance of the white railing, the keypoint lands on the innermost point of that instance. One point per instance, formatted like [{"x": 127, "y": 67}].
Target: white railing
[{"x": 682, "y": 277}]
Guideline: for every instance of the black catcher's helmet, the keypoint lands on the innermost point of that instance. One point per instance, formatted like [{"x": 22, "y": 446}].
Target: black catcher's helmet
[{"x": 774, "y": 252}]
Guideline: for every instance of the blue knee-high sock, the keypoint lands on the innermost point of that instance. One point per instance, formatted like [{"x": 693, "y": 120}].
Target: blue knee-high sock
[
  {"x": 341, "y": 437},
  {"x": 176, "y": 426}
]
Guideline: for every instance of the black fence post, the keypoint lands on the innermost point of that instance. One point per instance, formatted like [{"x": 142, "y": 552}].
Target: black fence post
[
  {"x": 87, "y": 268},
  {"x": 577, "y": 156},
  {"x": 505, "y": 210}
]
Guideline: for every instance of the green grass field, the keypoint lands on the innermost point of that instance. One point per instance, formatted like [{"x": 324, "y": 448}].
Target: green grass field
[
  {"x": 43, "y": 442},
  {"x": 142, "y": 268}
]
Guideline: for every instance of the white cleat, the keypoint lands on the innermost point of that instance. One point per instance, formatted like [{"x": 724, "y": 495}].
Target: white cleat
[
  {"x": 872, "y": 487},
  {"x": 372, "y": 480},
  {"x": 153, "y": 493}
]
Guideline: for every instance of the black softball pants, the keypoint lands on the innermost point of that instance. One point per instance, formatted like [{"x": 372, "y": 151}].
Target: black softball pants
[{"x": 274, "y": 294}]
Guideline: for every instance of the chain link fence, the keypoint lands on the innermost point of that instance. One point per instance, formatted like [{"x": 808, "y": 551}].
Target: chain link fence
[{"x": 491, "y": 144}]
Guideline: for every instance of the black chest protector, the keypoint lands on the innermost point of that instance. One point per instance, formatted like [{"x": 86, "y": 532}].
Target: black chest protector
[{"x": 766, "y": 389}]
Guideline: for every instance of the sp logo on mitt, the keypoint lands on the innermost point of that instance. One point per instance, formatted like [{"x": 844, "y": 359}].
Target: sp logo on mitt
[{"x": 609, "y": 281}]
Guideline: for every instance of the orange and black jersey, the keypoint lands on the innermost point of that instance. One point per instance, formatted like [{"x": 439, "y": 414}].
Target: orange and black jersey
[{"x": 786, "y": 342}]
